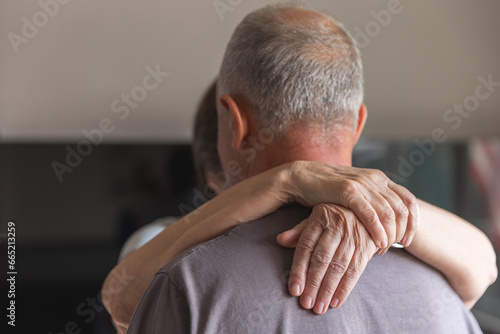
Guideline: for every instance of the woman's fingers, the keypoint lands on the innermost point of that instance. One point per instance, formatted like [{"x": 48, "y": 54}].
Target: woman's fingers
[
  {"x": 401, "y": 213},
  {"x": 413, "y": 212},
  {"x": 290, "y": 238},
  {"x": 385, "y": 214},
  {"x": 369, "y": 216},
  {"x": 378, "y": 202},
  {"x": 302, "y": 256},
  {"x": 331, "y": 253},
  {"x": 356, "y": 267},
  {"x": 336, "y": 270},
  {"x": 322, "y": 261}
]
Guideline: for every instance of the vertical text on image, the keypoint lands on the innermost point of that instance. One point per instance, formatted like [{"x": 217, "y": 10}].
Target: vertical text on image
[{"x": 11, "y": 273}]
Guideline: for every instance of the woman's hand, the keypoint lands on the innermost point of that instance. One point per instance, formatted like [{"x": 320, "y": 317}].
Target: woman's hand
[
  {"x": 461, "y": 252},
  {"x": 388, "y": 211},
  {"x": 332, "y": 250},
  {"x": 383, "y": 206}
]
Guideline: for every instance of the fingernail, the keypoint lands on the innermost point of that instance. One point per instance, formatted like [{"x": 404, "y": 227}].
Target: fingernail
[
  {"x": 307, "y": 302},
  {"x": 384, "y": 244},
  {"x": 335, "y": 302},
  {"x": 295, "y": 290},
  {"x": 320, "y": 309}
]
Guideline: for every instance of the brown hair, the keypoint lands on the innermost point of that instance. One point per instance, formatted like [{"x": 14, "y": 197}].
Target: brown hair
[{"x": 205, "y": 155}]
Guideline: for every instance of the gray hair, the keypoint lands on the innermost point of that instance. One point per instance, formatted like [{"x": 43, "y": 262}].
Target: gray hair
[{"x": 289, "y": 71}]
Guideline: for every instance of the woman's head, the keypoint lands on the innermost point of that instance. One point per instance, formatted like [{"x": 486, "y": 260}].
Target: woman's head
[{"x": 206, "y": 158}]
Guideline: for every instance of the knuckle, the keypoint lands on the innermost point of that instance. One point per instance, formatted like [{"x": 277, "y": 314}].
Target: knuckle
[
  {"x": 314, "y": 283},
  {"x": 356, "y": 269},
  {"x": 353, "y": 272},
  {"x": 328, "y": 289},
  {"x": 344, "y": 290},
  {"x": 371, "y": 216},
  {"x": 409, "y": 199},
  {"x": 377, "y": 174},
  {"x": 321, "y": 258},
  {"x": 387, "y": 215},
  {"x": 402, "y": 210},
  {"x": 348, "y": 188},
  {"x": 337, "y": 267},
  {"x": 305, "y": 246},
  {"x": 297, "y": 270}
]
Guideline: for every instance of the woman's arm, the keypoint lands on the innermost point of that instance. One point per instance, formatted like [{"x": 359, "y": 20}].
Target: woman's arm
[
  {"x": 460, "y": 251},
  {"x": 457, "y": 249},
  {"x": 304, "y": 182},
  {"x": 121, "y": 296},
  {"x": 250, "y": 200}
]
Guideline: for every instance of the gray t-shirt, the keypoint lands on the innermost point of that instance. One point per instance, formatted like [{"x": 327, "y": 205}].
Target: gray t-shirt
[{"x": 237, "y": 283}]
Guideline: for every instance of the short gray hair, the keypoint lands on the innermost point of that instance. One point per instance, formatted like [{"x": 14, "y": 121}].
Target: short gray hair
[{"x": 291, "y": 72}]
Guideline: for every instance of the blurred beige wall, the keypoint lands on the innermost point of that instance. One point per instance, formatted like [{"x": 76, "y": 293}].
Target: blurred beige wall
[{"x": 67, "y": 65}]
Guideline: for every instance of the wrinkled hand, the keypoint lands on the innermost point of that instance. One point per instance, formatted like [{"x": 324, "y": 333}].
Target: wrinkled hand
[
  {"x": 384, "y": 207},
  {"x": 333, "y": 248}
]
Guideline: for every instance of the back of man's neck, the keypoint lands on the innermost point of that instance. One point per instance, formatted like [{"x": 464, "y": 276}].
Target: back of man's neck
[{"x": 275, "y": 154}]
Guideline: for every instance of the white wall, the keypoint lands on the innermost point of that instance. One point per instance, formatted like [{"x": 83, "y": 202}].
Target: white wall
[{"x": 65, "y": 77}]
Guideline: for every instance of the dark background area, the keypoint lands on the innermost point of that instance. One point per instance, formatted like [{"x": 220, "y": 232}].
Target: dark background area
[{"x": 69, "y": 233}]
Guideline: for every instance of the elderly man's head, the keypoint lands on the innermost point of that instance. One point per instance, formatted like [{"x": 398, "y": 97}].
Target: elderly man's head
[{"x": 293, "y": 72}]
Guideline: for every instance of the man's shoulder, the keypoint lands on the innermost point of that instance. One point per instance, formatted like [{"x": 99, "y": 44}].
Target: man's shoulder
[
  {"x": 247, "y": 242},
  {"x": 242, "y": 275}
]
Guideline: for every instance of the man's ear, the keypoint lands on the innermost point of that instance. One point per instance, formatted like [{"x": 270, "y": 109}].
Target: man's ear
[
  {"x": 239, "y": 120},
  {"x": 362, "y": 115}
]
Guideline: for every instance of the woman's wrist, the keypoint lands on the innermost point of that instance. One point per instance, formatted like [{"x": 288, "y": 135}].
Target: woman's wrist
[
  {"x": 284, "y": 183},
  {"x": 288, "y": 183}
]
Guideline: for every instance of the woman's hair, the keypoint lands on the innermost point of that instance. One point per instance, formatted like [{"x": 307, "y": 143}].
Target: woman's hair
[{"x": 205, "y": 155}]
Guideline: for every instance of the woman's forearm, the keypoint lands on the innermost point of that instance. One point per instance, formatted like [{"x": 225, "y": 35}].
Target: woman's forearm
[
  {"x": 258, "y": 196},
  {"x": 308, "y": 183},
  {"x": 120, "y": 297},
  {"x": 457, "y": 249}
]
